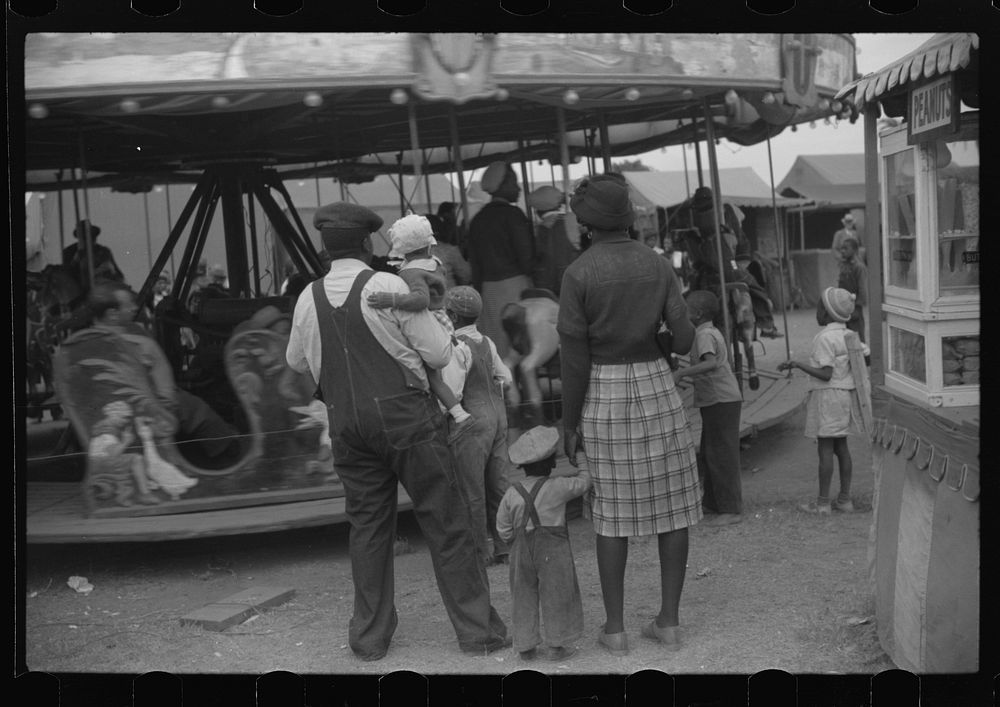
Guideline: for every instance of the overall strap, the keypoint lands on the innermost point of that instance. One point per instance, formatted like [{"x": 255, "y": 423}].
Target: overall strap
[{"x": 529, "y": 503}]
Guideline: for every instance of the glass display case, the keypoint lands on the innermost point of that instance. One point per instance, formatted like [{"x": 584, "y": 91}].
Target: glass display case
[{"x": 930, "y": 251}]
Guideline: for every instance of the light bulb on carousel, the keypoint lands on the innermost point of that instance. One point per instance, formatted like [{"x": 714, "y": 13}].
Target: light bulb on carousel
[
  {"x": 632, "y": 94},
  {"x": 768, "y": 99},
  {"x": 571, "y": 97},
  {"x": 687, "y": 93},
  {"x": 38, "y": 111},
  {"x": 312, "y": 99},
  {"x": 220, "y": 102},
  {"x": 129, "y": 105},
  {"x": 399, "y": 96},
  {"x": 502, "y": 94}
]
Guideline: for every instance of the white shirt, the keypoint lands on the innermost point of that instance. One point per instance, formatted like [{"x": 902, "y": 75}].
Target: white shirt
[{"x": 412, "y": 338}]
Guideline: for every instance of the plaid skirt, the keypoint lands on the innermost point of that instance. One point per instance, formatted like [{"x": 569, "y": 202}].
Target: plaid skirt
[{"x": 639, "y": 450}]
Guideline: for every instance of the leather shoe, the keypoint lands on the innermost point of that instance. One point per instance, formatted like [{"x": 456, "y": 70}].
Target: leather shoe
[
  {"x": 668, "y": 635},
  {"x": 615, "y": 643}
]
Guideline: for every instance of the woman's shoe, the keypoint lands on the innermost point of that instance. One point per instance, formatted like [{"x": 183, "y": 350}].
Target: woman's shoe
[
  {"x": 615, "y": 643},
  {"x": 668, "y": 636},
  {"x": 815, "y": 508},
  {"x": 843, "y": 506},
  {"x": 557, "y": 653}
]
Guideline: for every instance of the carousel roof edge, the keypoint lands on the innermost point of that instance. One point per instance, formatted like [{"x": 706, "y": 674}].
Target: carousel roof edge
[{"x": 943, "y": 53}]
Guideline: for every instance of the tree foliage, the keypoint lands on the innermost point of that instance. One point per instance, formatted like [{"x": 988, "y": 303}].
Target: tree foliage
[{"x": 635, "y": 165}]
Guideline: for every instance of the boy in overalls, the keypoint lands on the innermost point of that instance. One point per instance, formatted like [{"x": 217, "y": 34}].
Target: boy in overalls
[
  {"x": 532, "y": 514},
  {"x": 478, "y": 377}
]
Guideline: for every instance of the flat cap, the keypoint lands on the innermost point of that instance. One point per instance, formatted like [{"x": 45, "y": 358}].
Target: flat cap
[
  {"x": 344, "y": 215},
  {"x": 493, "y": 176},
  {"x": 535, "y": 445},
  {"x": 545, "y": 198},
  {"x": 464, "y": 301}
]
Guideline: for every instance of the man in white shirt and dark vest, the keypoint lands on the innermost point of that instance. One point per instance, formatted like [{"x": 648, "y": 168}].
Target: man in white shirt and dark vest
[{"x": 387, "y": 429}]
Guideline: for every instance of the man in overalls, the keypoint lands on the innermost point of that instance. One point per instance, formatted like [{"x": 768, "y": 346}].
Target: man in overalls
[{"x": 387, "y": 429}]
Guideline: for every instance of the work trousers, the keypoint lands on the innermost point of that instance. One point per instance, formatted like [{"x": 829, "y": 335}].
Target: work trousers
[
  {"x": 719, "y": 458},
  {"x": 544, "y": 588}
]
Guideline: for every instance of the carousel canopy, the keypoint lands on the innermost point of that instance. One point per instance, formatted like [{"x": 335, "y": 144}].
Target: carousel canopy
[{"x": 160, "y": 106}]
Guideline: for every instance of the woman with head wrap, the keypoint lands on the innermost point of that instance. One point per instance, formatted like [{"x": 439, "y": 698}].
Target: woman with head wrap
[
  {"x": 501, "y": 250},
  {"x": 621, "y": 408}
]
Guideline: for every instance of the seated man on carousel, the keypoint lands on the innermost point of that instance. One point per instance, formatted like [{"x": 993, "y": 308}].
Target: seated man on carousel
[
  {"x": 74, "y": 257},
  {"x": 705, "y": 258},
  {"x": 113, "y": 308}
]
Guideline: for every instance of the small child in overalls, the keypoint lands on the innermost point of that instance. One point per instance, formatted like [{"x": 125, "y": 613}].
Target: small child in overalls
[
  {"x": 412, "y": 237},
  {"x": 532, "y": 516}
]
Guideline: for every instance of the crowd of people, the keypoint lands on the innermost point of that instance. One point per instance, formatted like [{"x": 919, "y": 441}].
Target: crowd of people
[{"x": 411, "y": 367}]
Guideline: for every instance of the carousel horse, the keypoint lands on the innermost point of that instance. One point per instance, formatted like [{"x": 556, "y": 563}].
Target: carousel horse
[{"x": 530, "y": 324}]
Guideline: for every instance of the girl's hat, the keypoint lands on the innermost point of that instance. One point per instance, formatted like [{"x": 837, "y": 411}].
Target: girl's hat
[
  {"x": 839, "y": 303},
  {"x": 535, "y": 445},
  {"x": 410, "y": 233},
  {"x": 545, "y": 198}
]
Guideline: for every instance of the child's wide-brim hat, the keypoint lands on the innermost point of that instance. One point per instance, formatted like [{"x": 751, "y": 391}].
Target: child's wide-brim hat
[
  {"x": 410, "y": 233},
  {"x": 535, "y": 445},
  {"x": 839, "y": 303}
]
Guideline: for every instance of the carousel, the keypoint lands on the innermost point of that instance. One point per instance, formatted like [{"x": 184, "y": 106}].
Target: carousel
[
  {"x": 235, "y": 119},
  {"x": 922, "y": 167}
]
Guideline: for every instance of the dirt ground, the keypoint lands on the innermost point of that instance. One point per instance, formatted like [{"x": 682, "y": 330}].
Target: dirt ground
[{"x": 781, "y": 590}]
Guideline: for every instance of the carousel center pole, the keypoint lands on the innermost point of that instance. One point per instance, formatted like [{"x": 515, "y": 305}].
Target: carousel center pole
[
  {"x": 781, "y": 255},
  {"x": 456, "y": 154},
  {"x": 713, "y": 167}
]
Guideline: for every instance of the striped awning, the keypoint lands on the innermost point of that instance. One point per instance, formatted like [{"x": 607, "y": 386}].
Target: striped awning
[{"x": 941, "y": 54}]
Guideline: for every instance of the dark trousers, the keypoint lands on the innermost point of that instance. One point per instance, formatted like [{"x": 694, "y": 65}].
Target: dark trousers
[
  {"x": 543, "y": 585},
  {"x": 719, "y": 458},
  {"x": 196, "y": 420},
  {"x": 370, "y": 470},
  {"x": 857, "y": 322}
]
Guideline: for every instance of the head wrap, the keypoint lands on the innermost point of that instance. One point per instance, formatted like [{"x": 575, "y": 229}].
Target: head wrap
[
  {"x": 839, "y": 303},
  {"x": 545, "y": 198},
  {"x": 464, "y": 301},
  {"x": 493, "y": 176},
  {"x": 603, "y": 202}
]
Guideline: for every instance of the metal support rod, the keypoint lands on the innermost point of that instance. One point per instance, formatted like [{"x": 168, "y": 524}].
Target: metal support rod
[
  {"x": 713, "y": 167},
  {"x": 524, "y": 178},
  {"x": 781, "y": 267},
  {"x": 873, "y": 245},
  {"x": 308, "y": 250},
  {"x": 62, "y": 226},
  {"x": 427, "y": 185},
  {"x": 203, "y": 193},
  {"x": 199, "y": 237},
  {"x": 456, "y": 154},
  {"x": 76, "y": 202},
  {"x": 174, "y": 235},
  {"x": 417, "y": 155},
  {"x": 235, "y": 232},
  {"x": 173, "y": 270},
  {"x": 89, "y": 240},
  {"x": 399, "y": 187},
  {"x": 285, "y": 231},
  {"x": 687, "y": 183},
  {"x": 149, "y": 237},
  {"x": 605, "y": 140},
  {"x": 254, "y": 255},
  {"x": 563, "y": 151},
  {"x": 316, "y": 180},
  {"x": 697, "y": 149}
]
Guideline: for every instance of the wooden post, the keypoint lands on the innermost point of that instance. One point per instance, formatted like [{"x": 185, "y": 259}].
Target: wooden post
[
  {"x": 697, "y": 150},
  {"x": 415, "y": 152},
  {"x": 149, "y": 237},
  {"x": 873, "y": 246},
  {"x": 427, "y": 184},
  {"x": 713, "y": 167},
  {"x": 802, "y": 228},
  {"x": 563, "y": 151},
  {"x": 62, "y": 226}
]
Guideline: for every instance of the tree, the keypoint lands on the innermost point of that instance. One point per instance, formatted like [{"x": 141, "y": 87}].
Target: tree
[{"x": 635, "y": 165}]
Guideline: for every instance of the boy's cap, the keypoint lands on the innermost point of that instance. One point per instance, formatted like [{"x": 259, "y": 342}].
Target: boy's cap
[
  {"x": 535, "y": 445},
  {"x": 545, "y": 198},
  {"x": 410, "y": 233},
  {"x": 464, "y": 301}
]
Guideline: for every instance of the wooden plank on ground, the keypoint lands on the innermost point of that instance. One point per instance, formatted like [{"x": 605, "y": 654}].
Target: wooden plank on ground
[{"x": 220, "y": 615}]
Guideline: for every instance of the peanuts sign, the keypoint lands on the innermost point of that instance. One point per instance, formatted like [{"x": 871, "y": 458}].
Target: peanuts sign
[{"x": 933, "y": 110}]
